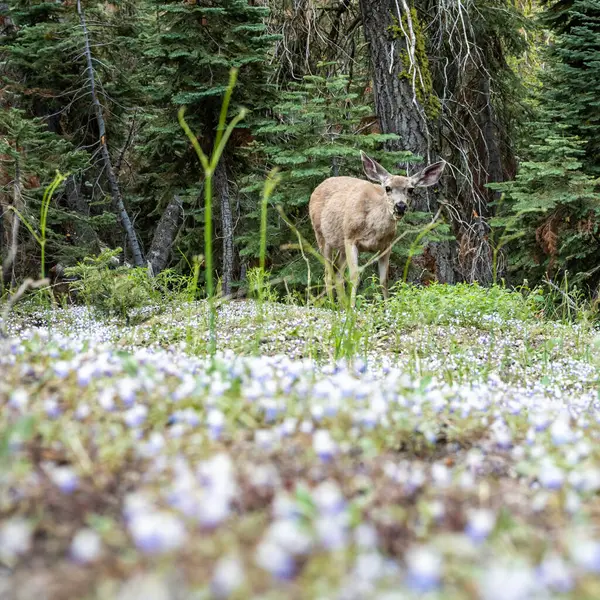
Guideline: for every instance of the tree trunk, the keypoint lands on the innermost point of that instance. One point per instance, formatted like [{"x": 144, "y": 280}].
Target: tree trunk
[
  {"x": 397, "y": 106},
  {"x": 76, "y": 202},
  {"x": 164, "y": 236},
  {"x": 221, "y": 186},
  {"x": 8, "y": 271},
  {"x": 134, "y": 245}
]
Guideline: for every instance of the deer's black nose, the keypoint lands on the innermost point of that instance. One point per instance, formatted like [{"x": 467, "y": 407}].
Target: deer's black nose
[{"x": 400, "y": 208}]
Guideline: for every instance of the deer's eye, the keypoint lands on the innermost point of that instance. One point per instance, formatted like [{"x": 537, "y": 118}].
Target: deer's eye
[
  {"x": 388, "y": 189},
  {"x": 409, "y": 191}
]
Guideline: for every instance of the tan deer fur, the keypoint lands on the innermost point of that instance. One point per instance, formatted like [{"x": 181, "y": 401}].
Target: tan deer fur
[{"x": 351, "y": 215}]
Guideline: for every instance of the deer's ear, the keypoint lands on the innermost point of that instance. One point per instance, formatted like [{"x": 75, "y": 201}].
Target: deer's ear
[
  {"x": 429, "y": 175},
  {"x": 373, "y": 170}
]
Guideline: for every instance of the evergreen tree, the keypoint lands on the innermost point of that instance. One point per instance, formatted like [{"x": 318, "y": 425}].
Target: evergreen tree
[
  {"x": 554, "y": 210},
  {"x": 29, "y": 158},
  {"x": 572, "y": 89},
  {"x": 193, "y": 50},
  {"x": 48, "y": 76},
  {"x": 555, "y": 200}
]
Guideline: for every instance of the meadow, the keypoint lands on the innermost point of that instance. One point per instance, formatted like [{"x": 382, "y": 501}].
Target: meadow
[{"x": 442, "y": 444}]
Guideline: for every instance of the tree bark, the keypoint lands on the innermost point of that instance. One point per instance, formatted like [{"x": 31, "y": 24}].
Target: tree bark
[
  {"x": 8, "y": 271},
  {"x": 76, "y": 202},
  {"x": 399, "y": 110},
  {"x": 164, "y": 236},
  {"x": 221, "y": 186},
  {"x": 134, "y": 245}
]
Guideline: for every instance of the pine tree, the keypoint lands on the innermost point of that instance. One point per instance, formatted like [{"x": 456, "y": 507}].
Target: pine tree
[
  {"x": 554, "y": 209},
  {"x": 573, "y": 86},
  {"x": 29, "y": 158},
  {"x": 193, "y": 50},
  {"x": 555, "y": 200},
  {"x": 48, "y": 76}
]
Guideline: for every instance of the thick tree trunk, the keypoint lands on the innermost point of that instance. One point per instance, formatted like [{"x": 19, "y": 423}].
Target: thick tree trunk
[
  {"x": 164, "y": 236},
  {"x": 398, "y": 108},
  {"x": 221, "y": 187},
  {"x": 134, "y": 245}
]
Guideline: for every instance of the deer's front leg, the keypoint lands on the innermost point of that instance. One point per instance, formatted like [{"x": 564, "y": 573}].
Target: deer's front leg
[
  {"x": 352, "y": 259},
  {"x": 384, "y": 268}
]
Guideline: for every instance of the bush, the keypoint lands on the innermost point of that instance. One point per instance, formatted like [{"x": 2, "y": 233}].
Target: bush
[{"x": 118, "y": 290}]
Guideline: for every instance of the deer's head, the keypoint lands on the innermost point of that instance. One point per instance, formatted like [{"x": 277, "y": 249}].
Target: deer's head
[{"x": 398, "y": 189}]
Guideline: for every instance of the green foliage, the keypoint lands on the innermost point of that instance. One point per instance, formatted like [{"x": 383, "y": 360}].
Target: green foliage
[
  {"x": 30, "y": 155},
  {"x": 259, "y": 285},
  {"x": 553, "y": 206},
  {"x": 117, "y": 290},
  {"x": 191, "y": 50},
  {"x": 572, "y": 89},
  {"x": 462, "y": 305}
]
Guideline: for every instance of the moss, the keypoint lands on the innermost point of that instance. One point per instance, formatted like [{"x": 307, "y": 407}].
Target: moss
[{"x": 423, "y": 84}]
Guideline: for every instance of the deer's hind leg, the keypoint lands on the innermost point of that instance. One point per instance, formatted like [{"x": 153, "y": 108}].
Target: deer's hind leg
[
  {"x": 352, "y": 258},
  {"x": 340, "y": 276},
  {"x": 327, "y": 252}
]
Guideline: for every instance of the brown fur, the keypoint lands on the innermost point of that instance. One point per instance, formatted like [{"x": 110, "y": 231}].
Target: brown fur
[{"x": 350, "y": 215}]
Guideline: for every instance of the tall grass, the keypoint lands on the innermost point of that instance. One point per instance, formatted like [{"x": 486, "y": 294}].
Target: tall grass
[
  {"x": 40, "y": 237},
  {"x": 209, "y": 164}
]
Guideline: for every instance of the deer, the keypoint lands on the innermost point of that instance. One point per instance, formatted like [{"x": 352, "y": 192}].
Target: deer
[{"x": 350, "y": 215}]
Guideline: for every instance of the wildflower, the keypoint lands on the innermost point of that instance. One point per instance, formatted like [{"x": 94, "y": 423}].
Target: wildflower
[
  {"x": 508, "y": 583},
  {"x": 264, "y": 438},
  {"x": 555, "y": 575},
  {"x": 289, "y": 536},
  {"x": 136, "y": 415},
  {"x": 365, "y": 536},
  {"x": 106, "y": 399},
  {"x": 328, "y": 498},
  {"x": 126, "y": 389},
  {"x": 83, "y": 412},
  {"x": 274, "y": 559},
  {"x": 65, "y": 479},
  {"x": 481, "y": 523},
  {"x": 560, "y": 431},
  {"x": 288, "y": 427},
  {"x": 157, "y": 532},
  {"x": 84, "y": 374},
  {"x": 324, "y": 445},
  {"x": 228, "y": 577},
  {"x": 215, "y": 421},
  {"x": 19, "y": 399},
  {"x": 212, "y": 509},
  {"x": 86, "y": 546},
  {"x": 586, "y": 555},
  {"x": 62, "y": 368},
  {"x": 550, "y": 476},
  {"x": 333, "y": 531},
  {"x": 15, "y": 537},
  {"x": 441, "y": 475},
  {"x": 424, "y": 569},
  {"x": 51, "y": 408},
  {"x": 154, "y": 445}
]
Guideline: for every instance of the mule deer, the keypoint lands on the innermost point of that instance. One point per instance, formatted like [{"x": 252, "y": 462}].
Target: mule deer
[{"x": 352, "y": 215}]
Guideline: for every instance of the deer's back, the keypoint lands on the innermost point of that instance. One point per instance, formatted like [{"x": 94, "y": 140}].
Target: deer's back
[{"x": 346, "y": 208}]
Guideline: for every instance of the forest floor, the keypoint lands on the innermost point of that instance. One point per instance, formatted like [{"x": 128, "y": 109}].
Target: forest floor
[{"x": 445, "y": 443}]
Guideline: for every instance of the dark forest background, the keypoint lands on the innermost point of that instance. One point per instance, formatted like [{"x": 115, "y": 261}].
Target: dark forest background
[{"x": 506, "y": 91}]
